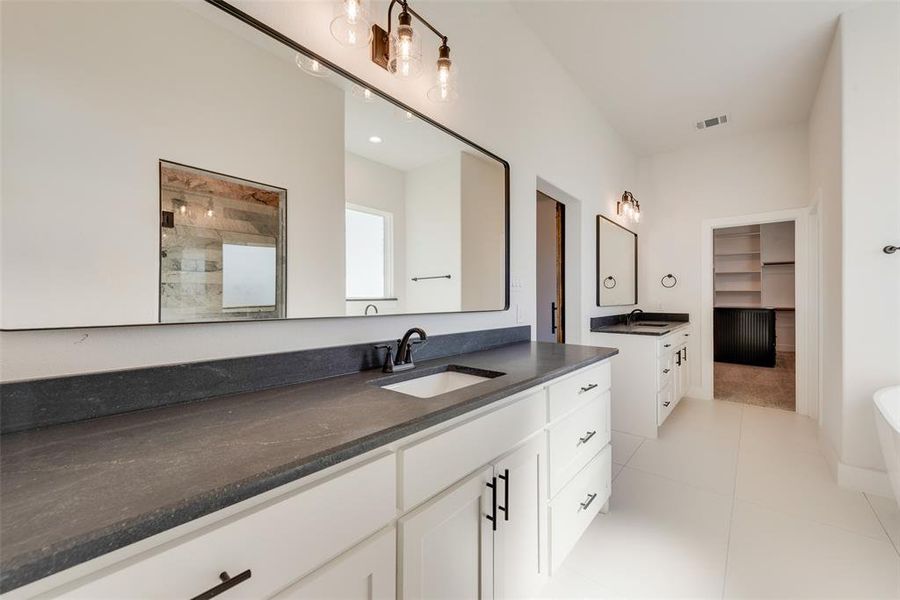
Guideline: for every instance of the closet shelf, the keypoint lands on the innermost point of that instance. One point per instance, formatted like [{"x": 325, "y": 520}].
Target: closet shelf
[
  {"x": 737, "y": 272},
  {"x": 738, "y": 291},
  {"x": 722, "y": 236},
  {"x": 749, "y": 253}
]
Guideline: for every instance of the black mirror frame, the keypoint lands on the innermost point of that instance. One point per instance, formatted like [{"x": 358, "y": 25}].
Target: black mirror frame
[{"x": 597, "y": 265}]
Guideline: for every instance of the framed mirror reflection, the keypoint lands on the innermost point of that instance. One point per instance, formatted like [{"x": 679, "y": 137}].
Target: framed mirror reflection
[
  {"x": 178, "y": 162},
  {"x": 616, "y": 264}
]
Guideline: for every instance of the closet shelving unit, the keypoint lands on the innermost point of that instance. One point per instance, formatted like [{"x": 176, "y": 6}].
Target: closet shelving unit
[
  {"x": 754, "y": 268},
  {"x": 738, "y": 267}
]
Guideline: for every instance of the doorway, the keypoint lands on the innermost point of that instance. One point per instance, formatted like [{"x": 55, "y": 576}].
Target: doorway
[
  {"x": 754, "y": 328},
  {"x": 551, "y": 269}
]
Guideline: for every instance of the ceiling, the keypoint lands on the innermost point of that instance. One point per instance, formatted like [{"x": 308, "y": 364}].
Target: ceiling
[{"x": 656, "y": 68}]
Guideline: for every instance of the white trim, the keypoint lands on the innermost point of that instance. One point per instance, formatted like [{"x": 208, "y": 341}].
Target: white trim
[
  {"x": 860, "y": 479},
  {"x": 802, "y": 298}
]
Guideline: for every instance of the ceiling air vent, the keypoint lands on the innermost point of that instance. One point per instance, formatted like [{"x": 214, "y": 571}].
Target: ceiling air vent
[{"x": 705, "y": 123}]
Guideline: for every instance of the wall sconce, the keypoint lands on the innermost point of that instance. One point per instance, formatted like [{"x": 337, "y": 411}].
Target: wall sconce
[
  {"x": 400, "y": 52},
  {"x": 629, "y": 207}
]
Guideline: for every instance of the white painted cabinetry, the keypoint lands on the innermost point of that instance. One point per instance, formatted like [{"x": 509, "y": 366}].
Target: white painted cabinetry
[
  {"x": 479, "y": 507},
  {"x": 367, "y": 572},
  {"x": 651, "y": 373}
]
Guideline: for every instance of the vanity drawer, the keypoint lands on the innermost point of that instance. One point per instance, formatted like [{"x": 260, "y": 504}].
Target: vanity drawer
[
  {"x": 666, "y": 401},
  {"x": 278, "y": 541},
  {"x": 433, "y": 464},
  {"x": 578, "y": 388},
  {"x": 577, "y": 504},
  {"x": 576, "y": 439},
  {"x": 665, "y": 368}
]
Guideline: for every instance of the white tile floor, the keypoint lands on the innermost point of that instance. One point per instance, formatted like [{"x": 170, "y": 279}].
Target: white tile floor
[{"x": 732, "y": 501}]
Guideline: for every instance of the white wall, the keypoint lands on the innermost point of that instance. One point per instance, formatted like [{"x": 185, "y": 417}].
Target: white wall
[
  {"x": 825, "y": 182},
  {"x": 433, "y": 220},
  {"x": 57, "y": 272},
  {"x": 731, "y": 177},
  {"x": 544, "y": 126},
  {"x": 383, "y": 188},
  {"x": 870, "y": 45}
]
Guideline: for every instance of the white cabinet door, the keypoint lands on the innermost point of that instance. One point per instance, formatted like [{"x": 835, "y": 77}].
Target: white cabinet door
[
  {"x": 519, "y": 558},
  {"x": 366, "y": 572},
  {"x": 447, "y": 545},
  {"x": 684, "y": 374}
]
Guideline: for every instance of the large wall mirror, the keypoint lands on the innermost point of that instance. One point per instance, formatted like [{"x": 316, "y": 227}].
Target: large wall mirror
[
  {"x": 616, "y": 264},
  {"x": 167, "y": 162}
]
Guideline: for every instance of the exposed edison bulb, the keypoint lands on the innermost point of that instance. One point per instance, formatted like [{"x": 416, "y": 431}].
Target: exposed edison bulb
[
  {"x": 311, "y": 65},
  {"x": 350, "y": 26},
  {"x": 405, "y": 51},
  {"x": 209, "y": 209},
  {"x": 637, "y": 216},
  {"x": 444, "y": 88}
]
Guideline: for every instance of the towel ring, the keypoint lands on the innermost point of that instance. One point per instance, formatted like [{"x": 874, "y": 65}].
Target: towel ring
[
  {"x": 610, "y": 278},
  {"x": 669, "y": 276}
]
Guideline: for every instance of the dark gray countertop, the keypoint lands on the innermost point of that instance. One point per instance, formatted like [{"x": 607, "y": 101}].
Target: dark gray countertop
[
  {"x": 76, "y": 491},
  {"x": 637, "y": 329}
]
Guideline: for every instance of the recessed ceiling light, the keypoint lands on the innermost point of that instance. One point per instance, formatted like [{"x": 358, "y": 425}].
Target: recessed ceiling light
[{"x": 375, "y": 139}]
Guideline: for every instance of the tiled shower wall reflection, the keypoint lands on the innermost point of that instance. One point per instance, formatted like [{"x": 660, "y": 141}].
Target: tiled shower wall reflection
[{"x": 210, "y": 211}]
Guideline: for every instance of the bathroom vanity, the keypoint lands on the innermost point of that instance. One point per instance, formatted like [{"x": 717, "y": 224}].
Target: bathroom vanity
[
  {"x": 652, "y": 371},
  {"x": 337, "y": 486}
]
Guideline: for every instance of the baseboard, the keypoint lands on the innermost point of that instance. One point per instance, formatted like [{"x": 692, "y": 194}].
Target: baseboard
[{"x": 860, "y": 479}]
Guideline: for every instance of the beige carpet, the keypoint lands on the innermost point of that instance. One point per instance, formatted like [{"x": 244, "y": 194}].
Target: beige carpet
[{"x": 760, "y": 386}]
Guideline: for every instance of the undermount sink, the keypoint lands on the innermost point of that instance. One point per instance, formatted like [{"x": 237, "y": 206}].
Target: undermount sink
[
  {"x": 650, "y": 324},
  {"x": 453, "y": 377}
]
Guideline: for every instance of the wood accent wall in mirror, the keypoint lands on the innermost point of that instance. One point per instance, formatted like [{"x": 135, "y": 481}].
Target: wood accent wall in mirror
[
  {"x": 169, "y": 162},
  {"x": 616, "y": 264}
]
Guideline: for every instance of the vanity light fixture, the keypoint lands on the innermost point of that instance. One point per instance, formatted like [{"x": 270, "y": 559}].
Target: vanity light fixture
[
  {"x": 350, "y": 26},
  {"x": 629, "y": 207},
  {"x": 400, "y": 52},
  {"x": 210, "y": 212},
  {"x": 311, "y": 65}
]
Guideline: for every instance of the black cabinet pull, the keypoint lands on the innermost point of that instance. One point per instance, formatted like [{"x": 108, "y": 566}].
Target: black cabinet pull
[
  {"x": 666, "y": 403},
  {"x": 493, "y": 516},
  {"x": 553, "y": 317},
  {"x": 685, "y": 354},
  {"x": 665, "y": 370},
  {"x": 227, "y": 584},
  {"x": 587, "y": 388},
  {"x": 587, "y": 437},
  {"x": 678, "y": 359},
  {"x": 590, "y": 499},
  {"x": 505, "y": 507},
  {"x": 667, "y": 345}
]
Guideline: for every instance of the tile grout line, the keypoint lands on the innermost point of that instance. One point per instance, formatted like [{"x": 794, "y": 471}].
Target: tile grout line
[
  {"x": 737, "y": 468},
  {"x": 880, "y": 522}
]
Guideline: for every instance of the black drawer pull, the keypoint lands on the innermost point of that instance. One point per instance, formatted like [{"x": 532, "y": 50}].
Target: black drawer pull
[
  {"x": 588, "y": 388},
  {"x": 493, "y": 516},
  {"x": 685, "y": 354},
  {"x": 667, "y": 345},
  {"x": 587, "y": 437},
  {"x": 666, "y": 403},
  {"x": 678, "y": 358},
  {"x": 227, "y": 584},
  {"x": 589, "y": 501},
  {"x": 505, "y": 507},
  {"x": 665, "y": 370}
]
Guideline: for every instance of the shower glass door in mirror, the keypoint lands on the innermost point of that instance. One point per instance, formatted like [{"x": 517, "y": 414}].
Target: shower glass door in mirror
[{"x": 167, "y": 162}]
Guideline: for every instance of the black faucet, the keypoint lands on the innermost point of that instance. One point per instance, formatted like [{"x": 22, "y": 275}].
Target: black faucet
[
  {"x": 630, "y": 316},
  {"x": 404, "y": 359}
]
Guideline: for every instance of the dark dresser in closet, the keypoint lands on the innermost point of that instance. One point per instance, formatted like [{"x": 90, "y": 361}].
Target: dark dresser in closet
[{"x": 745, "y": 336}]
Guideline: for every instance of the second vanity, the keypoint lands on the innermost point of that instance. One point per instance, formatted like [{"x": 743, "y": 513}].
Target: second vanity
[
  {"x": 652, "y": 371},
  {"x": 478, "y": 492}
]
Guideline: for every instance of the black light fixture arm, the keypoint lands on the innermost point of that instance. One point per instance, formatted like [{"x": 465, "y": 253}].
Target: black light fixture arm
[{"x": 407, "y": 8}]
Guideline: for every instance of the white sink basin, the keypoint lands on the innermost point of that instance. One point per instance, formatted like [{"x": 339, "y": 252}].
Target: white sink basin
[{"x": 436, "y": 384}]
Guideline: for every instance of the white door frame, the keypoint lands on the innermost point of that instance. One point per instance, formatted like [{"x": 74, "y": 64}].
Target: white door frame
[{"x": 802, "y": 299}]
